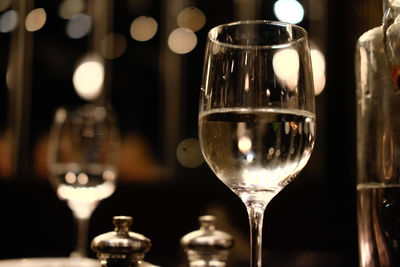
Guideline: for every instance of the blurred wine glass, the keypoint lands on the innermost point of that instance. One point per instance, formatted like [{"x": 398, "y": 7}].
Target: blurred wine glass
[{"x": 83, "y": 155}]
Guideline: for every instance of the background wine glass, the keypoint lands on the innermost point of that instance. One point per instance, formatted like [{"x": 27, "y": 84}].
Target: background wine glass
[
  {"x": 257, "y": 112},
  {"x": 83, "y": 153}
]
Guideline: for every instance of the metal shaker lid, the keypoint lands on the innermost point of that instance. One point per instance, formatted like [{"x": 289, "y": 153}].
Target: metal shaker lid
[
  {"x": 207, "y": 237},
  {"x": 121, "y": 244}
]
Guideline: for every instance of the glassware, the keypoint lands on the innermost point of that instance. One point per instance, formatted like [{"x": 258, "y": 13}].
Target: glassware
[
  {"x": 378, "y": 144},
  {"x": 83, "y": 154},
  {"x": 257, "y": 112}
]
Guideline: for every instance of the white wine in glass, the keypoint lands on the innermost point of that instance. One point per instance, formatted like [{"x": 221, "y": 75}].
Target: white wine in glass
[{"x": 257, "y": 114}]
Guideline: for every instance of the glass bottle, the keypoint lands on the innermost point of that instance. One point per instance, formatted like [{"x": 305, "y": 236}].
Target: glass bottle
[{"x": 378, "y": 141}]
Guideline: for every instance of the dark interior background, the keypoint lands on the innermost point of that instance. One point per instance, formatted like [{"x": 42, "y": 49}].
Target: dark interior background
[{"x": 312, "y": 222}]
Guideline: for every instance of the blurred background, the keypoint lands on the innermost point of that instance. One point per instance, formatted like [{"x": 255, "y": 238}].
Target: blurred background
[{"x": 144, "y": 59}]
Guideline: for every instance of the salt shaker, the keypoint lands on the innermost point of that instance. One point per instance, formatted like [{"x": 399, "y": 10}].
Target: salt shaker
[
  {"x": 207, "y": 247},
  {"x": 121, "y": 248}
]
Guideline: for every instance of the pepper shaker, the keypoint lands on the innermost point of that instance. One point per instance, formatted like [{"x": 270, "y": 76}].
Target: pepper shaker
[
  {"x": 121, "y": 248},
  {"x": 207, "y": 247}
]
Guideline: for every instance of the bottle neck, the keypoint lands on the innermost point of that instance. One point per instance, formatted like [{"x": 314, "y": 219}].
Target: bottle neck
[{"x": 391, "y": 10}]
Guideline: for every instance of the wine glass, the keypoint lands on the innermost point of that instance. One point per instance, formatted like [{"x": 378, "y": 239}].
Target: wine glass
[
  {"x": 83, "y": 154},
  {"x": 257, "y": 112}
]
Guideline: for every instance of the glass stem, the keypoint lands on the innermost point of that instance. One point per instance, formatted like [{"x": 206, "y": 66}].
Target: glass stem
[
  {"x": 81, "y": 225},
  {"x": 82, "y": 213},
  {"x": 256, "y": 217}
]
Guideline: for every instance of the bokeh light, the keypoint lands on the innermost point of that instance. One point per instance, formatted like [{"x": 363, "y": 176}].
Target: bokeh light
[
  {"x": 83, "y": 179},
  {"x": 244, "y": 144},
  {"x": 79, "y": 26},
  {"x": 70, "y": 177},
  {"x": 318, "y": 64},
  {"x": 189, "y": 153},
  {"x": 70, "y": 8},
  {"x": 395, "y": 3},
  {"x": 289, "y": 11},
  {"x": 88, "y": 79},
  {"x": 286, "y": 66},
  {"x": 143, "y": 28},
  {"x": 8, "y": 21},
  {"x": 35, "y": 20},
  {"x": 182, "y": 40},
  {"x": 191, "y": 18},
  {"x": 4, "y": 4},
  {"x": 113, "y": 45}
]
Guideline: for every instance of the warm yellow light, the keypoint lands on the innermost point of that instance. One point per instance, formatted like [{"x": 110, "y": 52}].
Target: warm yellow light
[
  {"x": 70, "y": 178},
  {"x": 83, "y": 179},
  {"x": 395, "y": 3},
  {"x": 69, "y": 8},
  {"x": 189, "y": 153},
  {"x": 244, "y": 144},
  {"x": 143, "y": 28},
  {"x": 182, "y": 40},
  {"x": 35, "y": 20},
  {"x": 191, "y": 18},
  {"x": 113, "y": 45},
  {"x": 88, "y": 79},
  {"x": 318, "y": 64},
  {"x": 109, "y": 175},
  {"x": 286, "y": 66}
]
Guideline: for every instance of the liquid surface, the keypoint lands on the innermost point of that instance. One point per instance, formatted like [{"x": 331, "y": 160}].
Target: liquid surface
[
  {"x": 83, "y": 183},
  {"x": 256, "y": 151},
  {"x": 378, "y": 211}
]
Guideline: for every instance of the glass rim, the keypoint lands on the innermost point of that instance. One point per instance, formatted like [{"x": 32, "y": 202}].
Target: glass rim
[{"x": 211, "y": 36}]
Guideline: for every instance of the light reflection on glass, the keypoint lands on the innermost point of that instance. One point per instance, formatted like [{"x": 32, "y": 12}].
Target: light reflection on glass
[
  {"x": 268, "y": 178},
  {"x": 182, "y": 40},
  {"x": 244, "y": 144},
  {"x": 287, "y": 128},
  {"x": 286, "y": 66},
  {"x": 69, "y": 8},
  {"x": 8, "y": 21},
  {"x": 88, "y": 79},
  {"x": 143, "y": 28},
  {"x": 250, "y": 157},
  {"x": 247, "y": 82},
  {"x": 79, "y": 26},
  {"x": 191, "y": 18},
  {"x": 77, "y": 195},
  {"x": 271, "y": 150},
  {"x": 35, "y": 20}
]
